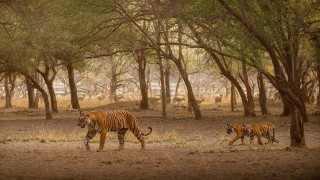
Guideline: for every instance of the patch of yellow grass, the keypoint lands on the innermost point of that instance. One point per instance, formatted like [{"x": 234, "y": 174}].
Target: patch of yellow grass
[{"x": 5, "y": 139}]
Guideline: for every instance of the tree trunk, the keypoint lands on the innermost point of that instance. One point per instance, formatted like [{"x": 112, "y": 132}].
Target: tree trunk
[
  {"x": 31, "y": 95},
  {"x": 191, "y": 97},
  {"x": 318, "y": 74},
  {"x": 296, "y": 128},
  {"x": 262, "y": 95},
  {"x": 177, "y": 87},
  {"x": 73, "y": 88},
  {"x": 113, "y": 87},
  {"x": 249, "y": 103},
  {"x": 53, "y": 98},
  {"x": 8, "y": 94},
  {"x": 286, "y": 107},
  {"x": 49, "y": 83},
  {"x": 46, "y": 104},
  {"x": 167, "y": 82},
  {"x": 141, "y": 60},
  {"x": 37, "y": 99},
  {"x": 233, "y": 97},
  {"x": 163, "y": 88},
  {"x": 44, "y": 95}
]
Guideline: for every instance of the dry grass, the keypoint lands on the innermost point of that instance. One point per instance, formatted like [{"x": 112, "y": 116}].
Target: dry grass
[{"x": 5, "y": 139}]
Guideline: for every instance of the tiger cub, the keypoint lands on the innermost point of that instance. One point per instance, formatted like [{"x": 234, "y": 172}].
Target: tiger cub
[
  {"x": 265, "y": 129},
  {"x": 239, "y": 129}
]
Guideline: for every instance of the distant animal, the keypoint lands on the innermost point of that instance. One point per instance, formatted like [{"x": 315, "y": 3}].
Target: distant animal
[
  {"x": 199, "y": 101},
  {"x": 177, "y": 100},
  {"x": 100, "y": 121},
  {"x": 120, "y": 97},
  {"x": 154, "y": 99},
  {"x": 261, "y": 129},
  {"x": 101, "y": 97},
  {"x": 80, "y": 98},
  {"x": 218, "y": 99},
  {"x": 239, "y": 129}
]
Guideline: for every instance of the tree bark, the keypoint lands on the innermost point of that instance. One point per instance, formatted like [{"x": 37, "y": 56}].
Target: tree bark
[
  {"x": 163, "y": 88},
  {"x": 167, "y": 82},
  {"x": 141, "y": 60},
  {"x": 262, "y": 95},
  {"x": 233, "y": 97},
  {"x": 53, "y": 98},
  {"x": 73, "y": 88},
  {"x": 113, "y": 87},
  {"x": 8, "y": 94},
  {"x": 31, "y": 95},
  {"x": 286, "y": 107},
  {"x": 296, "y": 128}
]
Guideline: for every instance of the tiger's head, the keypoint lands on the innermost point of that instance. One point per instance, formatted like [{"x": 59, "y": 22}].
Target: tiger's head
[
  {"x": 230, "y": 128},
  {"x": 83, "y": 119}
]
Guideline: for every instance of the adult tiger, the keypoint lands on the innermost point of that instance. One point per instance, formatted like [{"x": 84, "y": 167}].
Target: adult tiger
[
  {"x": 265, "y": 129},
  {"x": 102, "y": 121},
  {"x": 239, "y": 129}
]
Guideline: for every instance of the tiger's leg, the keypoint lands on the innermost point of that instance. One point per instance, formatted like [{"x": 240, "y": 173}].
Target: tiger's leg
[
  {"x": 242, "y": 139},
  {"x": 138, "y": 135},
  {"x": 259, "y": 139},
  {"x": 121, "y": 134},
  {"x": 89, "y": 136},
  {"x": 102, "y": 139},
  {"x": 251, "y": 138},
  {"x": 234, "y": 140}
]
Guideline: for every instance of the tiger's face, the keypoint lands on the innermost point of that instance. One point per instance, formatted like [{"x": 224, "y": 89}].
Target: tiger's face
[
  {"x": 82, "y": 119},
  {"x": 230, "y": 128}
]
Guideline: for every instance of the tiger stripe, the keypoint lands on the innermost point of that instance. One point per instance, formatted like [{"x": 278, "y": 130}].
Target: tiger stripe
[{"x": 261, "y": 129}]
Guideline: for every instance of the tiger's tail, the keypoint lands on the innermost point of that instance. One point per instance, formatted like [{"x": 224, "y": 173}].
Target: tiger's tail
[
  {"x": 146, "y": 134},
  {"x": 274, "y": 138}
]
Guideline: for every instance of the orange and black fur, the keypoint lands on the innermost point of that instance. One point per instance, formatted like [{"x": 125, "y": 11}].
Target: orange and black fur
[
  {"x": 239, "y": 129},
  {"x": 261, "y": 129},
  {"x": 102, "y": 121}
]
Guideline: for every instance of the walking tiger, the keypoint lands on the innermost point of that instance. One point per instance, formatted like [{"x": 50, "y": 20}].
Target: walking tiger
[{"x": 102, "y": 121}]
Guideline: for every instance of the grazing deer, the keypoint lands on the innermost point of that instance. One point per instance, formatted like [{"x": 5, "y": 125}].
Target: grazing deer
[
  {"x": 218, "y": 99},
  {"x": 177, "y": 100},
  {"x": 80, "y": 98},
  {"x": 199, "y": 101},
  {"x": 101, "y": 97},
  {"x": 154, "y": 99}
]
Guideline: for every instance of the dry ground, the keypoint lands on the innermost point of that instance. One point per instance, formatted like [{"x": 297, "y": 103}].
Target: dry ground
[{"x": 178, "y": 148}]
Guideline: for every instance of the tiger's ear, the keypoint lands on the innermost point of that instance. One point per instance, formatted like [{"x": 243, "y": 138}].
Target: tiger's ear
[{"x": 81, "y": 112}]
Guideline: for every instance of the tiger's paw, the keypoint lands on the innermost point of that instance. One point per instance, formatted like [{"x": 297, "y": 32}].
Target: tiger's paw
[{"x": 99, "y": 150}]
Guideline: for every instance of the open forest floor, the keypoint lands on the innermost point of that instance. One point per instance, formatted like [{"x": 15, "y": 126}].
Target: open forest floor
[{"x": 178, "y": 148}]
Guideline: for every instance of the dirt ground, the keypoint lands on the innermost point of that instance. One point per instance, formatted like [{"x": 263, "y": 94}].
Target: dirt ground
[{"x": 178, "y": 148}]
